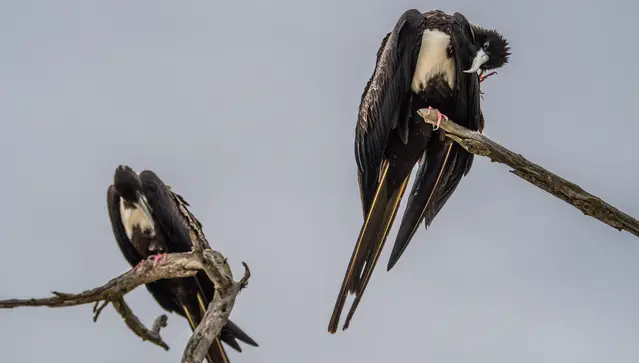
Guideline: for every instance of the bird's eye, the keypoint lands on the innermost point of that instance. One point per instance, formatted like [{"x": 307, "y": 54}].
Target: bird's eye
[{"x": 485, "y": 46}]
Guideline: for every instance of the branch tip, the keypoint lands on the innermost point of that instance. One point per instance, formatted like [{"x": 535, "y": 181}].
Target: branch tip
[
  {"x": 247, "y": 275},
  {"x": 97, "y": 309}
]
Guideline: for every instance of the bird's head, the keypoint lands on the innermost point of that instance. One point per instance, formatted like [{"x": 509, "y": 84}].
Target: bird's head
[
  {"x": 129, "y": 186},
  {"x": 493, "y": 50}
]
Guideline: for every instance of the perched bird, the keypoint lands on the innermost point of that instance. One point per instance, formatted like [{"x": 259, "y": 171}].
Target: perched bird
[
  {"x": 431, "y": 60},
  {"x": 148, "y": 221}
]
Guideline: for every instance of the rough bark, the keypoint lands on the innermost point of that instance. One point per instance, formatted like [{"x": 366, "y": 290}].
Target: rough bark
[
  {"x": 561, "y": 188},
  {"x": 174, "y": 266}
]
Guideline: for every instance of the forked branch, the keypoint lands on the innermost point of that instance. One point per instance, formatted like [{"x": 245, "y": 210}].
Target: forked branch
[
  {"x": 561, "y": 188},
  {"x": 176, "y": 265}
]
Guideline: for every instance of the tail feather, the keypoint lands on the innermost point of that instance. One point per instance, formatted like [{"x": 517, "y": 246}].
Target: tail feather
[
  {"x": 230, "y": 340},
  {"x": 236, "y": 332},
  {"x": 371, "y": 240},
  {"x": 390, "y": 212},
  {"x": 426, "y": 196},
  {"x": 354, "y": 268}
]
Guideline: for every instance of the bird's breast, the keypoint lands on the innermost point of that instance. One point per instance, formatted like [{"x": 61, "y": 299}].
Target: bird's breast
[
  {"x": 133, "y": 218},
  {"x": 433, "y": 60}
]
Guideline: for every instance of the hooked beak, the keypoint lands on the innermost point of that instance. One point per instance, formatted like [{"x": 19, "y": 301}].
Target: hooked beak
[
  {"x": 144, "y": 207},
  {"x": 478, "y": 61}
]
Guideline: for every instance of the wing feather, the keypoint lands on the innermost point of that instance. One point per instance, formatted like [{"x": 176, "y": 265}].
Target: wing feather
[{"x": 380, "y": 105}]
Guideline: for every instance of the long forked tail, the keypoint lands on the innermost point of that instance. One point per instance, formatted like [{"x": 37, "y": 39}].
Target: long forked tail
[{"x": 371, "y": 240}]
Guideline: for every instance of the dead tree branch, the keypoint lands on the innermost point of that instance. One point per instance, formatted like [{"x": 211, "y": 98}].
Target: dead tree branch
[
  {"x": 226, "y": 289},
  {"x": 561, "y": 188},
  {"x": 176, "y": 265},
  {"x": 217, "y": 314},
  {"x": 131, "y": 320}
]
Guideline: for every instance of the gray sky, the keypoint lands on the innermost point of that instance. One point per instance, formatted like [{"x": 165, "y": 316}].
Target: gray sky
[{"x": 248, "y": 109}]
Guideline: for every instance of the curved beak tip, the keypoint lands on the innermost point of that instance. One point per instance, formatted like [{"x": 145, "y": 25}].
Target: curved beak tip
[{"x": 478, "y": 61}]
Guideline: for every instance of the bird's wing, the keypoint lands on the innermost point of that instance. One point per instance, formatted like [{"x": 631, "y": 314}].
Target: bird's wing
[
  {"x": 165, "y": 212},
  {"x": 385, "y": 106},
  {"x": 380, "y": 107}
]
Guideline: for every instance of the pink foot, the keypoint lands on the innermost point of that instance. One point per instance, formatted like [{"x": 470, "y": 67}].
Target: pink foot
[
  {"x": 482, "y": 77},
  {"x": 439, "y": 117},
  {"x": 158, "y": 257}
]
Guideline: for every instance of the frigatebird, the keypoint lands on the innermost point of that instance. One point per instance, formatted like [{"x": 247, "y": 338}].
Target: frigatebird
[
  {"x": 149, "y": 220},
  {"x": 432, "y": 60}
]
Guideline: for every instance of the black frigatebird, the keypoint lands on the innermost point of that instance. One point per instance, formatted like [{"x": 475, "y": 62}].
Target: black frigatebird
[
  {"x": 148, "y": 221},
  {"x": 432, "y": 60}
]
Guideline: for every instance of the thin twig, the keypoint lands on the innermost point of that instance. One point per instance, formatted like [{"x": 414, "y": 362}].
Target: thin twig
[
  {"x": 246, "y": 277},
  {"x": 561, "y": 188},
  {"x": 97, "y": 309}
]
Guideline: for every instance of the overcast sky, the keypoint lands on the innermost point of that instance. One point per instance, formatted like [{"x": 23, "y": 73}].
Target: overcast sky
[{"x": 248, "y": 109}]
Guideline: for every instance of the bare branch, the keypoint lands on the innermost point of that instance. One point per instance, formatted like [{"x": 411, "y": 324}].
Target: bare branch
[
  {"x": 218, "y": 270},
  {"x": 97, "y": 309},
  {"x": 174, "y": 266},
  {"x": 219, "y": 309},
  {"x": 561, "y": 188},
  {"x": 152, "y": 335}
]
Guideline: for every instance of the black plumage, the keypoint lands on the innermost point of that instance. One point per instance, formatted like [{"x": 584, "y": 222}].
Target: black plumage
[
  {"x": 427, "y": 60},
  {"x": 149, "y": 220}
]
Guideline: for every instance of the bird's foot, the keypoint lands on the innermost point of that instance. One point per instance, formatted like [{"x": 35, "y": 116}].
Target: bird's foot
[
  {"x": 483, "y": 77},
  {"x": 439, "y": 117},
  {"x": 157, "y": 258}
]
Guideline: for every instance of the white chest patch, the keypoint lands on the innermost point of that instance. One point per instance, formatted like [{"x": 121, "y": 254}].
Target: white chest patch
[
  {"x": 132, "y": 217},
  {"x": 432, "y": 60}
]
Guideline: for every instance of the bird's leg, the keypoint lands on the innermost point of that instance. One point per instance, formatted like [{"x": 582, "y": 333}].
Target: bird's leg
[
  {"x": 483, "y": 77},
  {"x": 158, "y": 257},
  {"x": 439, "y": 117}
]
